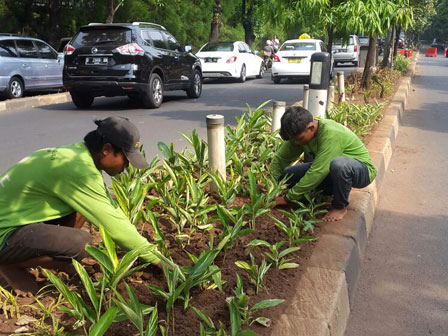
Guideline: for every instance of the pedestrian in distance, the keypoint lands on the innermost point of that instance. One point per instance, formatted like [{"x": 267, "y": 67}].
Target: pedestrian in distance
[
  {"x": 275, "y": 43},
  {"x": 340, "y": 160},
  {"x": 46, "y": 198},
  {"x": 268, "y": 53}
]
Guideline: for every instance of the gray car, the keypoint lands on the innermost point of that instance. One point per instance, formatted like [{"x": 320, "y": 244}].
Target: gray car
[
  {"x": 28, "y": 64},
  {"x": 343, "y": 52}
]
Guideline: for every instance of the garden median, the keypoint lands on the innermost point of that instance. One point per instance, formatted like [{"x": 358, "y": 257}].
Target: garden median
[{"x": 36, "y": 101}]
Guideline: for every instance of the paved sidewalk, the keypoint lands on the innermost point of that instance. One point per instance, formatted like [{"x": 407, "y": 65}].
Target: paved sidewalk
[{"x": 403, "y": 288}]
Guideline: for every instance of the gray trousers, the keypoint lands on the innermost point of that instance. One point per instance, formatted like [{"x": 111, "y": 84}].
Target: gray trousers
[{"x": 345, "y": 173}]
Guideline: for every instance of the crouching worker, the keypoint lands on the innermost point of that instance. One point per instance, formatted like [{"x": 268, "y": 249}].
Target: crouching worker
[
  {"x": 45, "y": 197},
  {"x": 340, "y": 160}
]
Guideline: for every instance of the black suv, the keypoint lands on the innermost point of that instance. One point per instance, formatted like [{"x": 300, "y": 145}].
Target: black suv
[{"x": 137, "y": 59}]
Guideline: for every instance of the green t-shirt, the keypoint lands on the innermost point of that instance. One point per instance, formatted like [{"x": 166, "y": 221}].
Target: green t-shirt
[
  {"x": 332, "y": 140},
  {"x": 55, "y": 182}
]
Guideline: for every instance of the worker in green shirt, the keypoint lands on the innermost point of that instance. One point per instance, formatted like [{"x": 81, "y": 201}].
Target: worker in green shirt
[
  {"x": 340, "y": 160},
  {"x": 46, "y": 198}
]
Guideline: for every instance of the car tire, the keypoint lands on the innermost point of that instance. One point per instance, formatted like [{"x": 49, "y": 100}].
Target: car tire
[
  {"x": 15, "y": 88},
  {"x": 81, "y": 100},
  {"x": 260, "y": 74},
  {"x": 153, "y": 97},
  {"x": 242, "y": 78},
  {"x": 276, "y": 80},
  {"x": 355, "y": 64},
  {"x": 195, "y": 89}
]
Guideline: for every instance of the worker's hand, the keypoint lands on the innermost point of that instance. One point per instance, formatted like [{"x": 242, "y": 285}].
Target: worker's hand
[{"x": 280, "y": 200}]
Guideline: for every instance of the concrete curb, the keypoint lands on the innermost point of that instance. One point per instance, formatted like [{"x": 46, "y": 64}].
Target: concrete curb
[
  {"x": 321, "y": 305},
  {"x": 28, "y": 102}
]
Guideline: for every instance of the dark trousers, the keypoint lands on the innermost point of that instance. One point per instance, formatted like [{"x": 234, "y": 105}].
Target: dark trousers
[
  {"x": 40, "y": 239},
  {"x": 345, "y": 173}
]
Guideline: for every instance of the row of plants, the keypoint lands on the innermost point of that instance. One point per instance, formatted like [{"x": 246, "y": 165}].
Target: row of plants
[{"x": 176, "y": 190}]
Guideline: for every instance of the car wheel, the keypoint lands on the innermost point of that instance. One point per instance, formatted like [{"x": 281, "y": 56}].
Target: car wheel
[
  {"x": 15, "y": 88},
  {"x": 81, "y": 100},
  {"x": 242, "y": 78},
  {"x": 195, "y": 89},
  {"x": 260, "y": 74},
  {"x": 153, "y": 97},
  {"x": 276, "y": 80},
  {"x": 355, "y": 63}
]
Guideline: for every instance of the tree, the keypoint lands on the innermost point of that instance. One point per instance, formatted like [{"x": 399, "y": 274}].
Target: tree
[
  {"x": 216, "y": 21},
  {"x": 111, "y": 9}
]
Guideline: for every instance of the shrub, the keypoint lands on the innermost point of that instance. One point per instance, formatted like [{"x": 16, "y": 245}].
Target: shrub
[{"x": 401, "y": 63}]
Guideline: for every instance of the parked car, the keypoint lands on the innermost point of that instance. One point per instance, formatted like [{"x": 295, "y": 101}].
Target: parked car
[
  {"x": 343, "y": 52},
  {"x": 141, "y": 60},
  {"x": 28, "y": 64},
  {"x": 364, "y": 41},
  {"x": 293, "y": 60},
  {"x": 230, "y": 60},
  {"x": 62, "y": 43}
]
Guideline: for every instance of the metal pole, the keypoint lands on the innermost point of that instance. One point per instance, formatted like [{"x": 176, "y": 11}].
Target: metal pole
[
  {"x": 277, "y": 113},
  {"x": 216, "y": 146},
  {"x": 306, "y": 96},
  {"x": 341, "y": 87},
  {"x": 330, "y": 97}
]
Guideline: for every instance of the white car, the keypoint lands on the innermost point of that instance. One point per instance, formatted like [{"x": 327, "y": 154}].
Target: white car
[
  {"x": 229, "y": 60},
  {"x": 293, "y": 60}
]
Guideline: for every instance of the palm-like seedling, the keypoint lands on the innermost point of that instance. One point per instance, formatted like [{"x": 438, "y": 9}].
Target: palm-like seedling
[
  {"x": 294, "y": 229},
  {"x": 232, "y": 226},
  {"x": 48, "y": 313},
  {"x": 209, "y": 329},
  {"x": 275, "y": 256},
  {"x": 256, "y": 272},
  {"x": 257, "y": 205},
  {"x": 199, "y": 159},
  {"x": 8, "y": 304},
  {"x": 242, "y": 314},
  {"x": 310, "y": 210},
  {"x": 227, "y": 188}
]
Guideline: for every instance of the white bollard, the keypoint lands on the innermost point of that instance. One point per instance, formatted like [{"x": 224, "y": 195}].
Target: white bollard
[
  {"x": 306, "y": 96},
  {"x": 341, "y": 87},
  {"x": 216, "y": 146},
  {"x": 277, "y": 113},
  {"x": 330, "y": 97}
]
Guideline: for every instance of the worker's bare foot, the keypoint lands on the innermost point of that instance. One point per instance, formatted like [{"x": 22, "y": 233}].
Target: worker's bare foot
[
  {"x": 19, "y": 280},
  {"x": 335, "y": 215}
]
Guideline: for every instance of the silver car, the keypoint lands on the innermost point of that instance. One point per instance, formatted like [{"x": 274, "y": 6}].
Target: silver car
[
  {"x": 343, "y": 52},
  {"x": 28, "y": 64}
]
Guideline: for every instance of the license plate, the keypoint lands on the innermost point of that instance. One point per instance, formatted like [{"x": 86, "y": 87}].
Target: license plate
[
  {"x": 211, "y": 60},
  {"x": 294, "y": 60},
  {"x": 97, "y": 60}
]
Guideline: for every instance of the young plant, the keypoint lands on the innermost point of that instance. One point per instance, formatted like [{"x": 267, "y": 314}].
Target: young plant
[
  {"x": 200, "y": 148},
  {"x": 210, "y": 329},
  {"x": 8, "y": 304},
  {"x": 294, "y": 229},
  {"x": 227, "y": 188},
  {"x": 48, "y": 313},
  {"x": 158, "y": 236},
  {"x": 256, "y": 272},
  {"x": 241, "y": 314},
  {"x": 275, "y": 256},
  {"x": 257, "y": 206},
  {"x": 310, "y": 209},
  {"x": 136, "y": 312}
]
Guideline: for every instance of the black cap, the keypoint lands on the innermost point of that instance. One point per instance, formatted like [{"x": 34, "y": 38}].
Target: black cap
[{"x": 120, "y": 132}]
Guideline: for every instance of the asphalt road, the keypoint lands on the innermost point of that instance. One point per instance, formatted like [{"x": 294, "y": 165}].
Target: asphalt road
[
  {"x": 24, "y": 131},
  {"x": 403, "y": 288}
]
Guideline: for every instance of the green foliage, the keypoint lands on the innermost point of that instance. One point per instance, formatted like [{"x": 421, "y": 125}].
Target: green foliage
[
  {"x": 401, "y": 63},
  {"x": 275, "y": 256},
  {"x": 47, "y": 314},
  {"x": 8, "y": 304},
  {"x": 256, "y": 272},
  {"x": 359, "y": 118}
]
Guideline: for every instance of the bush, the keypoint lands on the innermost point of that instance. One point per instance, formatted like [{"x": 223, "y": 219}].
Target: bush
[{"x": 401, "y": 63}]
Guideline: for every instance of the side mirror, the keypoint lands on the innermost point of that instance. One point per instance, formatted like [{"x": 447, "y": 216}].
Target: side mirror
[{"x": 188, "y": 48}]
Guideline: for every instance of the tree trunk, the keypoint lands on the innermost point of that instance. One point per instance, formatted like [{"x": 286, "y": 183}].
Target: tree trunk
[
  {"x": 248, "y": 25},
  {"x": 110, "y": 11},
  {"x": 53, "y": 33},
  {"x": 396, "y": 41},
  {"x": 370, "y": 63},
  {"x": 387, "y": 48},
  {"x": 216, "y": 21}
]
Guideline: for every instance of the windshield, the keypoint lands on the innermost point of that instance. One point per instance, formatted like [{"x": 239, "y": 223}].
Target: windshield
[
  {"x": 339, "y": 42},
  {"x": 298, "y": 46},
  {"x": 100, "y": 35},
  {"x": 218, "y": 46}
]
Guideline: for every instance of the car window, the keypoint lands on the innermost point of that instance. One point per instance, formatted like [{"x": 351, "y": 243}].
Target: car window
[
  {"x": 218, "y": 46},
  {"x": 241, "y": 48},
  {"x": 101, "y": 35},
  {"x": 157, "y": 39},
  {"x": 146, "y": 38},
  {"x": 26, "y": 48},
  {"x": 339, "y": 41},
  {"x": 45, "y": 50},
  {"x": 246, "y": 46},
  {"x": 172, "y": 43},
  {"x": 298, "y": 46},
  {"x": 8, "y": 48}
]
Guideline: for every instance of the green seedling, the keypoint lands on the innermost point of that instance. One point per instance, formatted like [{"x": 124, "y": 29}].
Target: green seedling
[
  {"x": 275, "y": 256},
  {"x": 200, "y": 148},
  {"x": 294, "y": 229},
  {"x": 241, "y": 314},
  {"x": 8, "y": 304},
  {"x": 256, "y": 272},
  {"x": 47, "y": 313},
  {"x": 209, "y": 329},
  {"x": 227, "y": 188},
  {"x": 257, "y": 206},
  {"x": 136, "y": 312},
  {"x": 158, "y": 236}
]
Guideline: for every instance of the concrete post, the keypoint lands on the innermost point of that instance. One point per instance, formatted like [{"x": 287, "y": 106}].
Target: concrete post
[
  {"x": 277, "y": 113},
  {"x": 330, "y": 97},
  {"x": 341, "y": 87},
  {"x": 216, "y": 146},
  {"x": 306, "y": 96}
]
